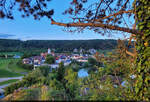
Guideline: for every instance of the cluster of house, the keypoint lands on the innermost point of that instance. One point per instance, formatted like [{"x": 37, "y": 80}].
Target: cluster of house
[
  {"x": 91, "y": 51},
  {"x": 66, "y": 59}
]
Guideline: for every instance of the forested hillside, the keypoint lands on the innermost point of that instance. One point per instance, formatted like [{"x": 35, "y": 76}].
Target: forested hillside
[{"x": 59, "y": 45}]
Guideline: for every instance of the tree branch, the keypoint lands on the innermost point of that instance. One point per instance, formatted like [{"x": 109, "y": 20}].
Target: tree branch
[
  {"x": 120, "y": 12},
  {"x": 105, "y": 26},
  {"x": 131, "y": 54},
  {"x": 97, "y": 10},
  {"x": 124, "y": 5}
]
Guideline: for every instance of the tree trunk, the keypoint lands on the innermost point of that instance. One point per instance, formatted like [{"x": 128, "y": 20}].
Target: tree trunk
[{"x": 142, "y": 84}]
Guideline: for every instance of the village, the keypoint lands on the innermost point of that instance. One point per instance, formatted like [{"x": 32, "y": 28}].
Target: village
[{"x": 37, "y": 61}]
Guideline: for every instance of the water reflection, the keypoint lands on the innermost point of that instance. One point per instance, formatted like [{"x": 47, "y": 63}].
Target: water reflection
[
  {"x": 82, "y": 73},
  {"x": 2, "y": 95}
]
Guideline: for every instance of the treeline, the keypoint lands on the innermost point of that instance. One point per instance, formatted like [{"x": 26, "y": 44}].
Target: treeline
[{"x": 9, "y": 44}]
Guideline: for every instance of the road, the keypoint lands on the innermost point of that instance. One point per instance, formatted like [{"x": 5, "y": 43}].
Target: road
[
  {"x": 3, "y": 86},
  {"x": 9, "y": 78}
]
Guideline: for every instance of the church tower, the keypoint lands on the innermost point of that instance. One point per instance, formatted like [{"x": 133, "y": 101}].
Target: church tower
[{"x": 49, "y": 51}]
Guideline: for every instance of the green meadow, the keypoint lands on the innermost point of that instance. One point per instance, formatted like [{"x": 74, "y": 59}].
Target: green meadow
[{"x": 9, "y": 68}]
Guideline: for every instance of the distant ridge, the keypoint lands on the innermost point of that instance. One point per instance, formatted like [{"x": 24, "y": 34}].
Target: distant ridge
[{"x": 16, "y": 45}]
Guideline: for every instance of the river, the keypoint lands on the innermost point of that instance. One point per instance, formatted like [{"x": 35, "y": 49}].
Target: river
[{"x": 83, "y": 73}]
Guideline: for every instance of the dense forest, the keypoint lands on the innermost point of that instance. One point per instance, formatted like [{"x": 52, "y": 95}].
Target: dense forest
[{"x": 59, "y": 45}]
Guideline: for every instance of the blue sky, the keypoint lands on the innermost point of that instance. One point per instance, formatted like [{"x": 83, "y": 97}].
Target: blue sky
[{"x": 28, "y": 28}]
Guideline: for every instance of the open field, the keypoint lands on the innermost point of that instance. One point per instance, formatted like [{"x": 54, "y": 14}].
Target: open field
[{"x": 9, "y": 68}]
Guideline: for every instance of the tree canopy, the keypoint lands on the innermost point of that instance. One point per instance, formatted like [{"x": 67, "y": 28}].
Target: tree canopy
[
  {"x": 35, "y": 8},
  {"x": 50, "y": 59}
]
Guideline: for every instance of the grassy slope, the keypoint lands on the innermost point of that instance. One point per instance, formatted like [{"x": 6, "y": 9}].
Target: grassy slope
[
  {"x": 8, "y": 81},
  {"x": 5, "y": 73},
  {"x": 8, "y": 68}
]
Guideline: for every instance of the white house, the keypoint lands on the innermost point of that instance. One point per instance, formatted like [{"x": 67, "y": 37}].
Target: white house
[
  {"x": 58, "y": 61},
  {"x": 82, "y": 60},
  {"x": 75, "y": 50},
  {"x": 67, "y": 62},
  {"x": 92, "y": 51},
  {"x": 53, "y": 66}
]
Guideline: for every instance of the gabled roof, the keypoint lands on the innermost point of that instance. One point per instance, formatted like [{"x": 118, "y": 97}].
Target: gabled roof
[{"x": 37, "y": 58}]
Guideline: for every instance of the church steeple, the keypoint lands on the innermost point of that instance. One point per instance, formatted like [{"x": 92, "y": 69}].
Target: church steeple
[{"x": 49, "y": 51}]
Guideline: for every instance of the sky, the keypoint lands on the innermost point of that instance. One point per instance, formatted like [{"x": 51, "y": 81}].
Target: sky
[{"x": 30, "y": 29}]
